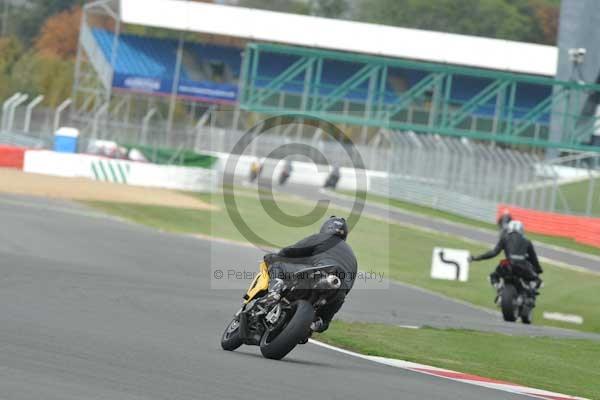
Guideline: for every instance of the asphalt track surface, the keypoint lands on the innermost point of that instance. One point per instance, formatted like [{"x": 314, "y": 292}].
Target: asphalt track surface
[
  {"x": 564, "y": 256},
  {"x": 94, "y": 308}
]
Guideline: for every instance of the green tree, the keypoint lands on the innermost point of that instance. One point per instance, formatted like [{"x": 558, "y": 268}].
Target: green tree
[
  {"x": 490, "y": 18},
  {"x": 50, "y": 76},
  {"x": 289, "y": 6},
  {"x": 10, "y": 51},
  {"x": 330, "y": 8}
]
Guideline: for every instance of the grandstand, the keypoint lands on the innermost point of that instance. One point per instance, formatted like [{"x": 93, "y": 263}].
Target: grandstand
[{"x": 365, "y": 76}]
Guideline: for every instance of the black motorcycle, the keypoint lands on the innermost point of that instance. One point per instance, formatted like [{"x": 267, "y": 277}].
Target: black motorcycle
[
  {"x": 279, "y": 319},
  {"x": 283, "y": 177},
  {"x": 515, "y": 296},
  {"x": 332, "y": 179}
]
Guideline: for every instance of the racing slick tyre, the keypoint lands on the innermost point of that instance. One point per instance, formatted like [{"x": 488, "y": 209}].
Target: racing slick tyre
[
  {"x": 231, "y": 337},
  {"x": 276, "y": 344},
  {"x": 510, "y": 310}
]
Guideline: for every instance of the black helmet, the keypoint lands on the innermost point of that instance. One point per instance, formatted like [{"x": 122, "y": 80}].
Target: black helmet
[
  {"x": 504, "y": 219},
  {"x": 335, "y": 226}
]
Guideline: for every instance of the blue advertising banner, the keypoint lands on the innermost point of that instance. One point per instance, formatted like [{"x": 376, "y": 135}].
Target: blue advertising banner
[{"x": 206, "y": 91}]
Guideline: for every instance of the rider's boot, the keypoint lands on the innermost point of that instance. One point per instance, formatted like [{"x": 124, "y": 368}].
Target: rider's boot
[
  {"x": 319, "y": 326},
  {"x": 495, "y": 282}
]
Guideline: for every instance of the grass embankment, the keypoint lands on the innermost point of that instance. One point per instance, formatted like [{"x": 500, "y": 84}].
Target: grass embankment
[
  {"x": 432, "y": 212},
  {"x": 574, "y": 197},
  {"x": 569, "y": 366},
  {"x": 402, "y": 253}
]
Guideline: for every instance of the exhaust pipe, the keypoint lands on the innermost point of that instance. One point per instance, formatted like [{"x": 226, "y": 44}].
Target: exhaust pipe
[
  {"x": 334, "y": 281},
  {"x": 329, "y": 282}
]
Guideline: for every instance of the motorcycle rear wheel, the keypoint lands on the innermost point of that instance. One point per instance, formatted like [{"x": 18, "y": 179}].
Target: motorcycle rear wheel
[
  {"x": 510, "y": 310},
  {"x": 295, "y": 330}
]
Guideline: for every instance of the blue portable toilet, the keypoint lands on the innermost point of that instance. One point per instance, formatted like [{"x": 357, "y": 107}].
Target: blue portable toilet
[{"x": 65, "y": 140}]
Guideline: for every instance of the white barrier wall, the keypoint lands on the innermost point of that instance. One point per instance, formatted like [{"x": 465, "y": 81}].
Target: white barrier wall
[
  {"x": 305, "y": 173},
  {"x": 120, "y": 171}
]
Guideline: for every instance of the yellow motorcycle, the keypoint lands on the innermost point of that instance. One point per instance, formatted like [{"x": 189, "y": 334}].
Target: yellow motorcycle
[{"x": 280, "y": 318}]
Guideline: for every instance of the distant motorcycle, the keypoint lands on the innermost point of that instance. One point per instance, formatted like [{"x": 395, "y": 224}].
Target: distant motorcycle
[
  {"x": 286, "y": 172},
  {"x": 332, "y": 179},
  {"x": 283, "y": 177},
  {"x": 280, "y": 319},
  {"x": 515, "y": 296}
]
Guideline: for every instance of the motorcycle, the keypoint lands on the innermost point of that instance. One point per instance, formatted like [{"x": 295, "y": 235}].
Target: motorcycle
[
  {"x": 283, "y": 177},
  {"x": 279, "y": 319},
  {"x": 332, "y": 180},
  {"x": 515, "y": 296}
]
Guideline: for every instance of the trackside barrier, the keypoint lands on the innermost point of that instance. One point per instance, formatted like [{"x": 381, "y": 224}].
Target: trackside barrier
[
  {"x": 420, "y": 192},
  {"x": 11, "y": 156},
  {"x": 120, "y": 171},
  {"x": 581, "y": 229}
]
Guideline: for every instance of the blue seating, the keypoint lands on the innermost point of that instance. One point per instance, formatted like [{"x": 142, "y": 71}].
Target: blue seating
[{"x": 148, "y": 64}]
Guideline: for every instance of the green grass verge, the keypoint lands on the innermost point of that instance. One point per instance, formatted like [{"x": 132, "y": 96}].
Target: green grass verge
[
  {"x": 575, "y": 196},
  {"x": 432, "y": 212},
  {"x": 401, "y": 253},
  {"x": 569, "y": 366}
]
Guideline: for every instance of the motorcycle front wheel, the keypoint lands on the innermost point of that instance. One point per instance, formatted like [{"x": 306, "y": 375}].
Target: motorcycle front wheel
[
  {"x": 231, "y": 337},
  {"x": 277, "y": 344}
]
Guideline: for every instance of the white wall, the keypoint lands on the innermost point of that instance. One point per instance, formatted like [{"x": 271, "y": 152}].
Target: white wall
[{"x": 120, "y": 171}]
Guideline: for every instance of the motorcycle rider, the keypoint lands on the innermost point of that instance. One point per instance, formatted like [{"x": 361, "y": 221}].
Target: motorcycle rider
[
  {"x": 519, "y": 251},
  {"x": 503, "y": 221},
  {"x": 328, "y": 247},
  {"x": 286, "y": 172}
]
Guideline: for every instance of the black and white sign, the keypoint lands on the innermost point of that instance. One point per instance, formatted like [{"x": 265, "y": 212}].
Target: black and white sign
[{"x": 450, "y": 264}]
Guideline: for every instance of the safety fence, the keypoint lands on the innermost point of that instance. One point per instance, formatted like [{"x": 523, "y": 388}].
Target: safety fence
[
  {"x": 409, "y": 190},
  {"x": 486, "y": 173}
]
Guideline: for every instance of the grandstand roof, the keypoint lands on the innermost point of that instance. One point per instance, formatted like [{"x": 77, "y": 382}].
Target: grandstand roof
[{"x": 350, "y": 36}]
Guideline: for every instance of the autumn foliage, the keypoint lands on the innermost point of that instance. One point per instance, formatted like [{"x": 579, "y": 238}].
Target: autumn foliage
[{"x": 59, "y": 35}]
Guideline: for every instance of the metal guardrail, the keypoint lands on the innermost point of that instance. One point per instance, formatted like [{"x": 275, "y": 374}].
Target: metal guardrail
[
  {"x": 21, "y": 140},
  {"x": 417, "y": 192}
]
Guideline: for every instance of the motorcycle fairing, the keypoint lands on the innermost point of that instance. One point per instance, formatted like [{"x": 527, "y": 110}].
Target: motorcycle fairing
[{"x": 259, "y": 284}]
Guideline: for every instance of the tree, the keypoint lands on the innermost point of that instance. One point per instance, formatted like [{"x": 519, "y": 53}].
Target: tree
[
  {"x": 490, "y": 18},
  {"x": 547, "y": 16},
  {"x": 10, "y": 50},
  {"x": 29, "y": 19},
  {"x": 51, "y": 77},
  {"x": 329, "y": 8},
  {"x": 289, "y": 6},
  {"x": 60, "y": 34}
]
